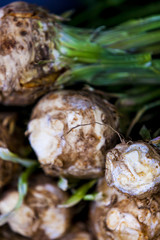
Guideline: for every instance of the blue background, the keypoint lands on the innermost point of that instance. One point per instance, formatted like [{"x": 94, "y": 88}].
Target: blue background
[{"x": 55, "y": 6}]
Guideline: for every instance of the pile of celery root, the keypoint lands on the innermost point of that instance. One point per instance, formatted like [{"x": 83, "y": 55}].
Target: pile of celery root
[{"x": 72, "y": 165}]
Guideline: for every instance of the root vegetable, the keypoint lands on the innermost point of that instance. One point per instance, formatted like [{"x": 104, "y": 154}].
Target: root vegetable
[
  {"x": 134, "y": 169},
  {"x": 117, "y": 217},
  {"x": 39, "y": 215},
  {"x": 38, "y": 53},
  {"x": 70, "y": 132}
]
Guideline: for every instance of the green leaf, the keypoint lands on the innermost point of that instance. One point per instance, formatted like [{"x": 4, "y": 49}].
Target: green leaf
[
  {"x": 7, "y": 155},
  {"x": 22, "y": 190},
  {"x": 140, "y": 113},
  {"x": 93, "y": 197},
  {"x": 156, "y": 133},
  {"x": 83, "y": 50},
  {"x": 63, "y": 184},
  {"x": 145, "y": 134},
  {"x": 78, "y": 195}
]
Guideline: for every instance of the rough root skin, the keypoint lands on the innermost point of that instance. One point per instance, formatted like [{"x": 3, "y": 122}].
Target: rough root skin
[
  {"x": 70, "y": 131},
  {"x": 118, "y": 217},
  {"x": 29, "y": 60},
  {"x": 39, "y": 216}
]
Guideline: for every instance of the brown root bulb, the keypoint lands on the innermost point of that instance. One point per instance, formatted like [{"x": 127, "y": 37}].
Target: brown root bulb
[
  {"x": 39, "y": 216},
  {"x": 117, "y": 217},
  {"x": 133, "y": 169},
  {"x": 70, "y": 132},
  {"x": 29, "y": 63}
]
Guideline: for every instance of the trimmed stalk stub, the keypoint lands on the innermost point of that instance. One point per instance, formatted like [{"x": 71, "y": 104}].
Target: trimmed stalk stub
[{"x": 134, "y": 169}]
